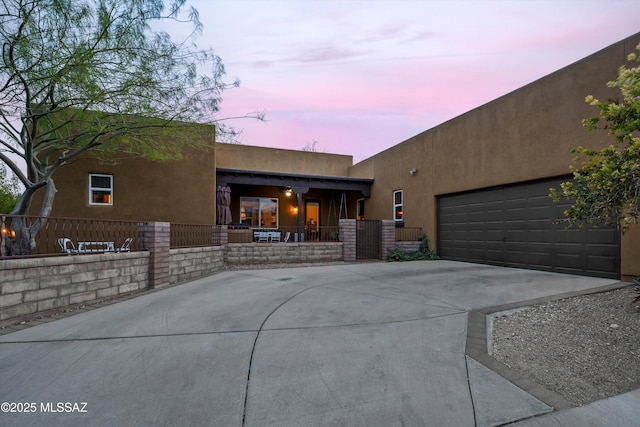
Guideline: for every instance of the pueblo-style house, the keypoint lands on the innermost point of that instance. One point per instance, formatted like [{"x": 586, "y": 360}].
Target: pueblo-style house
[{"x": 477, "y": 185}]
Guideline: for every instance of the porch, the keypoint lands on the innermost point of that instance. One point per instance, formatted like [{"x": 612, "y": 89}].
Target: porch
[{"x": 306, "y": 207}]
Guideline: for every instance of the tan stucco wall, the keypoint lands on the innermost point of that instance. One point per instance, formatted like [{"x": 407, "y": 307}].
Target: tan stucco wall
[
  {"x": 181, "y": 191},
  {"x": 248, "y": 157},
  {"x": 524, "y": 135},
  {"x": 631, "y": 253}
]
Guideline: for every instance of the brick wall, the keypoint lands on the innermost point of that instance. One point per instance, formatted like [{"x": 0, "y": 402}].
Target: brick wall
[
  {"x": 156, "y": 239},
  {"x": 388, "y": 237},
  {"x": 191, "y": 263},
  {"x": 38, "y": 285},
  {"x": 348, "y": 239},
  {"x": 290, "y": 252}
]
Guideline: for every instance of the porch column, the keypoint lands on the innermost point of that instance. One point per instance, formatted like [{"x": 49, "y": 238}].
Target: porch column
[
  {"x": 299, "y": 223},
  {"x": 299, "y": 192}
]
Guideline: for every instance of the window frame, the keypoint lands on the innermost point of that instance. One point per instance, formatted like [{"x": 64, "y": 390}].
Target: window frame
[
  {"x": 259, "y": 211},
  {"x": 92, "y": 189},
  {"x": 400, "y": 205}
]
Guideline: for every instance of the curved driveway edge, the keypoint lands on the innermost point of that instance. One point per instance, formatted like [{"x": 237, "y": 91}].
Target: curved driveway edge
[{"x": 362, "y": 344}]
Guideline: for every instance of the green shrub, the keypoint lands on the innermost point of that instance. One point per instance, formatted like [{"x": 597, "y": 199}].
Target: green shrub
[{"x": 423, "y": 253}]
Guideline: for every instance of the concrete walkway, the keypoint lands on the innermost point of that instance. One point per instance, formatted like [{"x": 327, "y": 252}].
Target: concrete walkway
[{"x": 380, "y": 344}]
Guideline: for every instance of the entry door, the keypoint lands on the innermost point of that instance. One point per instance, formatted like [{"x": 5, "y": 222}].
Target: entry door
[{"x": 312, "y": 219}]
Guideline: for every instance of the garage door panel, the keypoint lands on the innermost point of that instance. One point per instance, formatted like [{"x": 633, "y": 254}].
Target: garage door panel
[
  {"x": 600, "y": 236},
  {"x": 520, "y": 225},
  {"x": 570, "y": 236},
  {"x": 493, "y": 215},
  {"x": 542, "y": 213},
  {"x": 540, "y": 236},
  {"x": 570, "y": 260},
  {"x": 601, "y": 263},
  {"x": 476, "y": 254},
  {"x": 542, "y": 224},
  {"x": 518, "y": 257},
  {"x": 494, "y": 254},
  {"x": 540, "y": 259},
  {"x": 513, "y": 246}
]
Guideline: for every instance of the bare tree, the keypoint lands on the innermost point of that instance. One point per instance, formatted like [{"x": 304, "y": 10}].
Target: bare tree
[{"x": 312, "y": 146}]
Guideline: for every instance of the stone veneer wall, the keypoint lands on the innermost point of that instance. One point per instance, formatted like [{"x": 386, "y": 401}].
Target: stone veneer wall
[
  {"x": 290, "y": 252},
  {"x": 39, "y": 285},
  {"x": 408, "y": 246},
  {"x": 191, "y": 263},
  {"x": 32, "y": 287}
]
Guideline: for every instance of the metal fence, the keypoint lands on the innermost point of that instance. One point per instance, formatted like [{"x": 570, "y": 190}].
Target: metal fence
[
  {"x": 408, "y": 234},
  {"x": 30, "y": 236},
  {"x": 309, "y": 234},
  {"x": 284, "y": 234},
  {"x": 194, "y": 235}
]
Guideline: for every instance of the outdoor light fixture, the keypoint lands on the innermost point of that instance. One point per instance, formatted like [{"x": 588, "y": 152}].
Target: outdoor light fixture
[
  {"x": 288, "y": 192},
  {"x": 8, "y": 232},
  {"x": 413, "y": 171}
]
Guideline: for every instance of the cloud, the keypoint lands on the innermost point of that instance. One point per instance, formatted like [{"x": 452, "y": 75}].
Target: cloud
[
  {"x": 361, "y": 76},
  {"x": 325, "y": 54}
]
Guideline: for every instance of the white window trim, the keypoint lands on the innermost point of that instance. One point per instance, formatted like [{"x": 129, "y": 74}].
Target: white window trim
[
  {"x": 92, "y": 189},
  {"x": 395, "y": 205}
]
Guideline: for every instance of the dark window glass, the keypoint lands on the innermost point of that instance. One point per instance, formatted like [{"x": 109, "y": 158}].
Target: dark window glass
[{"x": 100, "y": 181}]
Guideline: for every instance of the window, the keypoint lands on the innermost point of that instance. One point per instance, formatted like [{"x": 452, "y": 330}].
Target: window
[
  {"x": 397, "y": 205},
  {"x": 100, "y": 189},
  {"x": 258, "y": 212}
]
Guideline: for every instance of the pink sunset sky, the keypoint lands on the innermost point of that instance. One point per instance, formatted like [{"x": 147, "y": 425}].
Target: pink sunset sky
[{"x": 361, "y": 76}]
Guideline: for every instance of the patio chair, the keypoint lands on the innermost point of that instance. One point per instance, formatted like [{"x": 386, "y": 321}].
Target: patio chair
[
  {"x": 286, "y": 237},
  {"x": 126, "y": 246},
  {"x": 263, "y": 236},
  {"x": 275, "y": 236},
  {"x": 67, "y": 245}
]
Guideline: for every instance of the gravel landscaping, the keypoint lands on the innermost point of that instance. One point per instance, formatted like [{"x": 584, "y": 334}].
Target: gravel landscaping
[{"x": 584, "y": 348}]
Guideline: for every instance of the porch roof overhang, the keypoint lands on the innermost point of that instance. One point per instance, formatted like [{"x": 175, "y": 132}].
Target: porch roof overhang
[{"x": 299, "y": 183}]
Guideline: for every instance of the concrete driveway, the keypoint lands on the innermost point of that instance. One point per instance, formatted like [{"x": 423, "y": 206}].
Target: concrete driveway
[{"x": 379, "y": 344}]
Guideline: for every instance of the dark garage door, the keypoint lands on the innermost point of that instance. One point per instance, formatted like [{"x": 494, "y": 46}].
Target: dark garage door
[{"x": 517, "y": 226}]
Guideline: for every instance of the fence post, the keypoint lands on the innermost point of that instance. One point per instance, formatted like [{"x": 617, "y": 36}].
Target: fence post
[
  {"x": 348, "y": 239},
  {"x": 388, "y": 238},
  {"x": 156, "y": 239}
]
